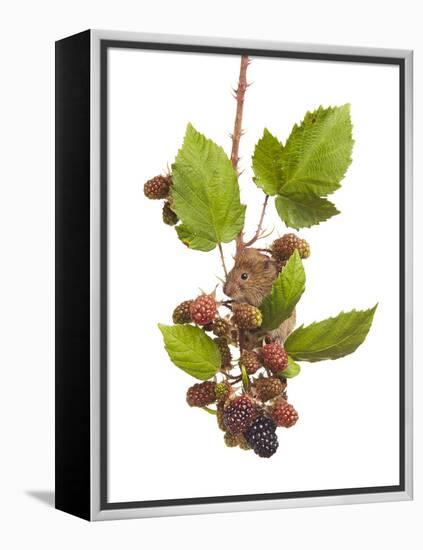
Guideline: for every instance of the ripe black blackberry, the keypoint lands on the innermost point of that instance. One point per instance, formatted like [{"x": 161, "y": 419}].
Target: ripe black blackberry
[
  {"x": 261, "y": 437},
  {"x": 239, "y": 414}
]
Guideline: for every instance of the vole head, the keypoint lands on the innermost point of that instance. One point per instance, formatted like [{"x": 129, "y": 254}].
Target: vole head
[{"x": 251, "y": 278}]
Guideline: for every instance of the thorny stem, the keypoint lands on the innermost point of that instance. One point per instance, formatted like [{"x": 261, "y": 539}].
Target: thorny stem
[
  {"x": 237, "y": 132},
  {"x": 239, "y": 96},
  {"x": 222, "y": 257},
  {"x": 260, "y": 224}
]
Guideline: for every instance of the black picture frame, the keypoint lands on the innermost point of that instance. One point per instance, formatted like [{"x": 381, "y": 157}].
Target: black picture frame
[{"x": 81, "y": 157}]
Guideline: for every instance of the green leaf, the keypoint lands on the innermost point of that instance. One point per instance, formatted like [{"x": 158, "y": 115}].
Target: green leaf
[
  {"x": 205, "y": 193},
  {"x": 197, "y": 242},
  {"x": 267, "y": 163},
  {"x": 191, "y": 350},
  {"x": 293, "y": 369},
  {"x": 285, "y": 293},
  {"x": 318, "y": 152},
  {"x": 332, "y": 338},
  {"x": 301, "y": 210}
]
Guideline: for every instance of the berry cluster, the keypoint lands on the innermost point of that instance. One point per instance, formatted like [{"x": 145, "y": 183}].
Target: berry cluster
[{"x": 250, "y": 401}]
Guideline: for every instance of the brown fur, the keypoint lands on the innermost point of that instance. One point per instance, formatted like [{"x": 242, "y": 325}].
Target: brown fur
[{"x": 261, "y": 271}]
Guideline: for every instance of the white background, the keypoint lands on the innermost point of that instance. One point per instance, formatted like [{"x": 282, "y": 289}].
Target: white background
[
  {"x": 26, "y": 218},
  {"x": 354, "y": 264}
]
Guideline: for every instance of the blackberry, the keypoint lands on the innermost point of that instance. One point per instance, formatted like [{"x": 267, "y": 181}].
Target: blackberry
[
  {"x": 203, "y": 309},
  {"x": 225, "y": 353},
  {"x": 158, "y": 187},
  {"x": 181, "y": 314},
  {"x": 243, "y": 443},
  {"x": 236, "y": 440},
  {"x": 230, "y": 439},
  {"x": 274, "y": 357},
  {"x": 250, "y": 361},
  {"x": 268, "y": 388},
  {"x": 219, "y": 417},
  {"x": 283, "y": 248},
  {"x": 168, "y": 215},
  {"x": 267, "y": 445},
  {"x": 284, "y": 414},
  {"x": 246, "y": 316},
  {"x": 239, "y": 414},
  {"x": 261, "y": 436},
  {"x": 222, "y": 391},
  {"x": 221, "y": 327},
  {"x": 200, "y": 395}
]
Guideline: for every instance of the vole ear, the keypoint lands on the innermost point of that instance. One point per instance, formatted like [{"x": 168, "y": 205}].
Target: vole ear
[{"x": 268, "y": 264}]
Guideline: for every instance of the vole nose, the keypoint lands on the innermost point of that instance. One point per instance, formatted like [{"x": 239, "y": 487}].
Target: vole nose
[{"x": 228, "y": 289}]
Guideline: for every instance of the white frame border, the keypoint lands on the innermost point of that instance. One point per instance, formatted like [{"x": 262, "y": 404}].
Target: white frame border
[{"x": 180, "y": 509}]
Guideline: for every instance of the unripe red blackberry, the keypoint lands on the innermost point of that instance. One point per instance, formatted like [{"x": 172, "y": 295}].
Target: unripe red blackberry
[
  {"x": 181, "y": 313},
  {"x": 203, "y": 309},
  {"x": 239, "y": 414},
  {"x": 158, "y": 187},
  {"x": 274, "y": 357},
  {"x": 284, "y": 414},
  {"x": 221, "y": 327},
  {"x": 225, "y": 353},
  {"x": 284, "y": 247},
  {"x": 268, "y": 388},
  {"x": 246, "y": 316},
  {"x": 250, "y": 361},
  {"x": 202, "y": 394},
  {"x": 168, "y": 215}
]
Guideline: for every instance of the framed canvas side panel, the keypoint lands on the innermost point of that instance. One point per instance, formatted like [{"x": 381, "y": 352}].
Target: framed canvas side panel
[{"x": 72, "y": 384}]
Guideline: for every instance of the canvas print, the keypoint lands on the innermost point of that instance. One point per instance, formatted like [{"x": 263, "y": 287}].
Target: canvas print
[
  {"x": 241, "y": 337},
  {"x": 237, "y": 327},
  {"x": 253, "y": 275}
]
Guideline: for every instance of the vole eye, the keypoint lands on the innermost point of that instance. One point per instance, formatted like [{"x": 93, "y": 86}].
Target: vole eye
[{"x": 244, "y": 276}]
